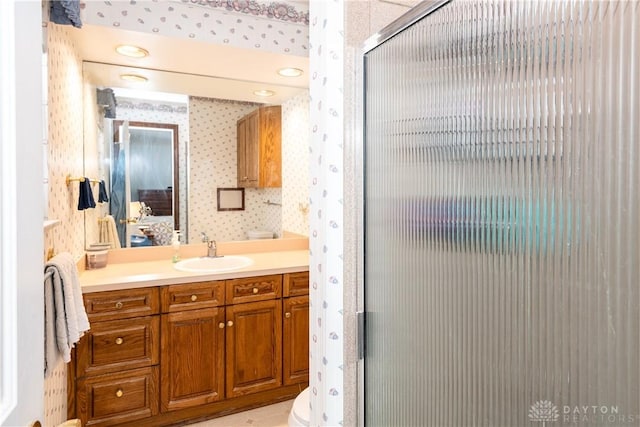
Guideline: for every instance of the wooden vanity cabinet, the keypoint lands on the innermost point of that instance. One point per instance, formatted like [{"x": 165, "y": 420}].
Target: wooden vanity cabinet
[
  {"x": 163, "y": 355},
  {"x": 116, "y": 362},
  {"x": 254, "y": 352},
  {"x": 192, "y": 365},
  {"x": 254, "y": 334},
  {"x": 259, "y": 146},
  {"x": 295, "y": 341}
]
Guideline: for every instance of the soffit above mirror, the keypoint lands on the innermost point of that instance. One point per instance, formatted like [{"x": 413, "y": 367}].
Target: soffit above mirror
[{"x": 189, "y": 60}]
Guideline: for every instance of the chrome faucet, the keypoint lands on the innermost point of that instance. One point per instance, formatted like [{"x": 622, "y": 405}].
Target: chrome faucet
[
  {"x": 211, "y": 249},
  {"x": 204, "y": 237}
]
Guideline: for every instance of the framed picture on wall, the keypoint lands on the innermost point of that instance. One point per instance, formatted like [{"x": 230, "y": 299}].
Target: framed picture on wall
[{"x": 230, "y": 199}]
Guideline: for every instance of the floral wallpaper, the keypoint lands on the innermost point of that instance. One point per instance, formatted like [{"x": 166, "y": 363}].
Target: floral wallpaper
[
  {"x": 65, "y": 140},
  {"x": 326, "y": 213},
  {"x": 295, "y": 164},
  {"x": 275, "y": 27},
  {"x": 64, "y": 157},
  {"x": 213, "y": 164},
  {"x": 338, "y": 30}
]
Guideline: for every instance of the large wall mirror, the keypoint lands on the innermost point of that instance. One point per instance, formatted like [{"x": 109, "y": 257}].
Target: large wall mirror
[{"x": 202, "y": 89}]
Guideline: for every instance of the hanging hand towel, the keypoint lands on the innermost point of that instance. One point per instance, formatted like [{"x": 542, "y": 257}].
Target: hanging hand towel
[
  {"x": 65, "y": 316},
  {"x": 108, "y": 232},
  {"x": 102, "y": 193},
  {"x": 66, "y": 12},
  {"x": 85, "y": 201}
]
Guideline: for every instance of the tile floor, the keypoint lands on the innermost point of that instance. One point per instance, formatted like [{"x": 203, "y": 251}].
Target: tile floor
[{"x": 275, "y": 415}]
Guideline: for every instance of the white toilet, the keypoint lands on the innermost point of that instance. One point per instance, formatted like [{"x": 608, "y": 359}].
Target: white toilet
[{"x": 300, "y": 412}]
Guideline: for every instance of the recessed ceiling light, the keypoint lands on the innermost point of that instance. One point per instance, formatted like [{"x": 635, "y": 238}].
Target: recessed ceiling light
[
  {"x": 264, "y": 92},
  {"x": 134, "y": 78},
  {"x": 290, "y": 72},
  {"x": 132, "y": 51}
]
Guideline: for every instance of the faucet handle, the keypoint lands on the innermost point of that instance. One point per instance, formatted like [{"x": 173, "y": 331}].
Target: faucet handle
[{"x": 204, "y": 237}]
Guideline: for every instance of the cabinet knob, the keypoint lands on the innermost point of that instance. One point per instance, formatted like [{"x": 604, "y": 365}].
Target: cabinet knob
[
  {"x": 119, "y": 305},
  {"x": 194, "y": 297},
  {"x": 119, "y": 340},
  {"x": 230, "y": 323},
  {"x": 255, "y": 290},
  {"x": 221, "y": 325},
  {"x": 287, "y": 315},
  {"x": 244, "y": 177},
  {"x": 119, "y": 393}
]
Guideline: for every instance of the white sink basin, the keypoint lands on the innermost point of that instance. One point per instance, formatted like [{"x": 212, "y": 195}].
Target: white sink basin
[{"x": 213, "y": 265}]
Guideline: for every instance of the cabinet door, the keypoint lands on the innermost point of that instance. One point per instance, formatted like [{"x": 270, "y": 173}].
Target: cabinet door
[
  {"x": 112, "y": 399},
  {"x": 242, "y": 164},
  {"x": 253, "y": 289},
  {"x": 192, "y": 362},
  {"x": 296, "y": 284},
  {"x": 248, "y": 150},
  {"x": 116, "y": 345},
  {"x": 191, "y": 296},
  {"x": 254, "y": 347},
  {"x": 116, "y": 305},
  {"x": 270, "y": 147},
  {"x": 296, "y": 340}
]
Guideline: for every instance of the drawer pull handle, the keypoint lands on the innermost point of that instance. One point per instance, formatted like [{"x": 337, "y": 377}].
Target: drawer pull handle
[
  {"x": 230, "y": 323},
  {"x": 287, "y": 315},
  {"x": 119, "y": 340},
  {"x": 255, "y": 290},
  {"x": 194, "y": 297},
  {"x": 119, "y": 305},
  {"x": 221, "y": 325},
  {"x": 119, "y": 393}
]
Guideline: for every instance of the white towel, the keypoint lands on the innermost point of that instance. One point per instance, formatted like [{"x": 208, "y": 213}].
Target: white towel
[
  {"x": 109, "y": 232},
  {"x": 65, "y": 316}
]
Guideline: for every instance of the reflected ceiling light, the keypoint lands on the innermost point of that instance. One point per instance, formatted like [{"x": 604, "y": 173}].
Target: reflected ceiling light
[
  {"x": 290, "y": 72},
  {"x": 134, "y": 78},
  {"x": 264, "y": 92},
  {"x": 132, "y": 51}
]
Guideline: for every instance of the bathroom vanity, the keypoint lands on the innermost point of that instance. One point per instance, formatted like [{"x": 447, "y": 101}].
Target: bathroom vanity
[{"x": 174, "y": 346}]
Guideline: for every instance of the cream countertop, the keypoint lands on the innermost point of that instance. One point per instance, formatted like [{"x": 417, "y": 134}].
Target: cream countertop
[
  {"x": 142, "y": 267},
  {"x": 118, "y": 276}
]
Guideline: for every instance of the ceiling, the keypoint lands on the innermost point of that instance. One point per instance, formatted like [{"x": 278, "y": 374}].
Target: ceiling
[{"x": 188, "y": 67}]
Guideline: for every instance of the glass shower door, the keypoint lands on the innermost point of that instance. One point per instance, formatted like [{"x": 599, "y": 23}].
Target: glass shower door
[{"x": 502, "y": 211}]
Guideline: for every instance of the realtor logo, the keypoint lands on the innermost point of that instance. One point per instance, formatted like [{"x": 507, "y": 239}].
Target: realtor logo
[{"x": 543, "y": 411}]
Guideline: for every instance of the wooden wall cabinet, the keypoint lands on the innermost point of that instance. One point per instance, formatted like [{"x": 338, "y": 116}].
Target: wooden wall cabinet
[
  {"x": 164, "y": 355},
  {"x": 259, "y": 143}
]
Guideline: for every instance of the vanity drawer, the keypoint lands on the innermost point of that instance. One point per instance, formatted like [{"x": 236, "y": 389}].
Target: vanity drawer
[
  {"x": 191, "y": 296},
  {"x": 118, "y": 398},
  {"x": 112, "y": 305},
  {"x": 296, "y": 284},
  {"x": 254, "y": 289},
  {"x": 116, "y": 345}
]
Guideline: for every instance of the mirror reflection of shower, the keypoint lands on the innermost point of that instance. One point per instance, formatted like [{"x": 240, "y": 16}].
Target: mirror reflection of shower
[{"x": 144, "y": 189}]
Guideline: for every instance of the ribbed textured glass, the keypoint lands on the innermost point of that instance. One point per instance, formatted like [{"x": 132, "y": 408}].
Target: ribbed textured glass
[{"x": 502, "y": 210}]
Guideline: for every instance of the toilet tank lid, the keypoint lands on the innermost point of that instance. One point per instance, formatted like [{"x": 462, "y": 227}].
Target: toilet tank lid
[
  {"x": 260, "y": 234},
  {"x": 301, "y": 406}
]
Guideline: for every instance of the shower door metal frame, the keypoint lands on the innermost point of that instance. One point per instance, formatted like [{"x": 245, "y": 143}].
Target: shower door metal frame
[{"x": 414, "y": 15}]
